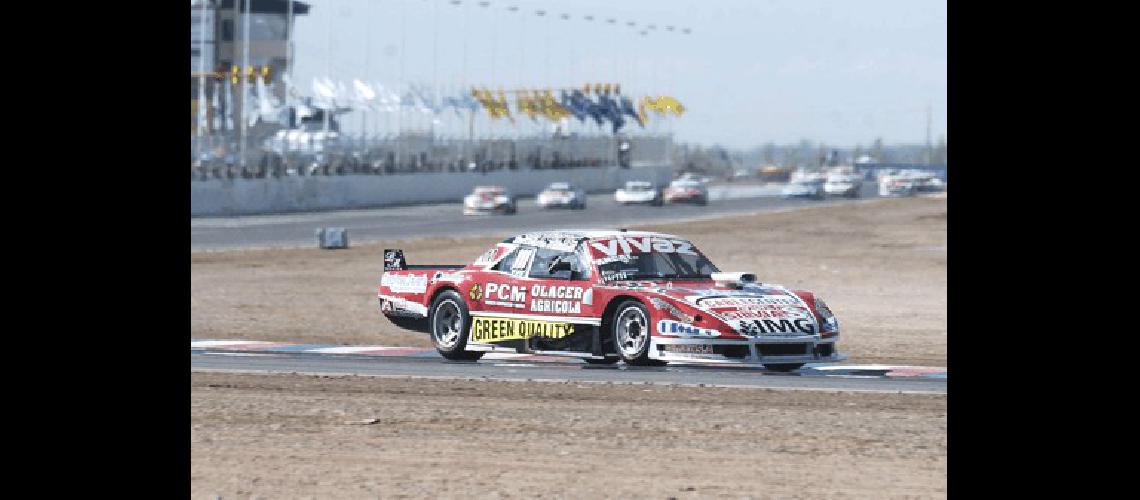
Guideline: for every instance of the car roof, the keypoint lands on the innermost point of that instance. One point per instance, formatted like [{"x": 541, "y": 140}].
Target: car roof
[
  {"x": 490, "y": 188},
  {"x": 559, "y": 185},
  {"x": 590, "y": 234}
]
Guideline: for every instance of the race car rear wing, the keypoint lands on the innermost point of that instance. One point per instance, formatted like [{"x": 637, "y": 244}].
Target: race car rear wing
[{"x": 394, "y": 261}]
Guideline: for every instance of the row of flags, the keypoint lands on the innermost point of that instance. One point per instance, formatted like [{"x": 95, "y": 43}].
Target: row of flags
[{"x": 599, "y": 103}]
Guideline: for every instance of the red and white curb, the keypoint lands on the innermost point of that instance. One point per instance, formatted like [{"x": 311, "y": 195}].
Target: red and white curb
[{"x": 247, "y": 347}]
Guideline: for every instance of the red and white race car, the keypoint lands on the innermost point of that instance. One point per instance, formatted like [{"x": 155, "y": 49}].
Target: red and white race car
[
  {"x": 687, "y": 190},
  {"x": 607, "y": 296}
]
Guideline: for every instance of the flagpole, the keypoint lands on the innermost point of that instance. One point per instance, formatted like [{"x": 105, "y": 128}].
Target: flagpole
[
  {"x": 289, "y": 50},
  {"x": 244, "y": 80},
  {"x": 367, "y": 71},
  {"x": 201, "y": 79},
  {"x": 328, "y": 70},
  {"x": 400, "y": 116}
]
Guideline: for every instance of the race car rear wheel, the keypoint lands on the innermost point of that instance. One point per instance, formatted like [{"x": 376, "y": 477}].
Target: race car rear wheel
[
  {"x": 783, "y": 367},
  {"x": 450, "y": 322},
  {"x": 630, "y": 325}
]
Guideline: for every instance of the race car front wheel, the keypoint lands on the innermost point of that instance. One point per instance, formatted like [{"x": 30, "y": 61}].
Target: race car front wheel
[
  {"x": 449, "y": 325},
  {"x": 630, "y": 325}
]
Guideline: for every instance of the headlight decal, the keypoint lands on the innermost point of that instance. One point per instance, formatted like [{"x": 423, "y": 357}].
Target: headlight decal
[
  {"x": 671, "y": 309},
  {"x": 830, "y": 322}
]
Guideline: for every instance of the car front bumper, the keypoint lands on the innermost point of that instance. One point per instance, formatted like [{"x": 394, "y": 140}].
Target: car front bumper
[
  {"x": 558, "y": 203},
  {"x": 774, "y": 350},
  {"x": 485, "y": 210}
]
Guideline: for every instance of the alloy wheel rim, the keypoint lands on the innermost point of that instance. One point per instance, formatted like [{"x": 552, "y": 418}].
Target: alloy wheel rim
[
  {"x": 447, "y": 324},
  {"x": 632, "y": 331}
]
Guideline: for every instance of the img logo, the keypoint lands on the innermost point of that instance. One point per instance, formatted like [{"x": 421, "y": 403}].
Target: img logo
[{"x": 476, "y": 292}]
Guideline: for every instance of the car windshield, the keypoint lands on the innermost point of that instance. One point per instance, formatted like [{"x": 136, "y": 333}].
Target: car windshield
[
  {"x": 558, "y": 187},
  {"x": 638, "y": 186},
  {"x": 685, "y": 184},
  {"x": 649, "y": 258}
]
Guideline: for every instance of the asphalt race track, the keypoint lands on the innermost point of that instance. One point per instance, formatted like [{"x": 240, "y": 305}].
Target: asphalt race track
[
  {"x": 602, "y": 212},
  {"x": 855, "y": 379}
]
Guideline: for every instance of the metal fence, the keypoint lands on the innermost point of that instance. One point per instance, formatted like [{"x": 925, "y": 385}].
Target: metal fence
[{"x": 299, "y": 153}]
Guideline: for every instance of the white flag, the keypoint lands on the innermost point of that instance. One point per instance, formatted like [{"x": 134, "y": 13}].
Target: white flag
[{"x": 364, "y": 93}]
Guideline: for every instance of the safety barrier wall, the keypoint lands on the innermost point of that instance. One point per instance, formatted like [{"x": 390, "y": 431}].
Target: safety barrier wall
[{"x": 216, "y": 197}]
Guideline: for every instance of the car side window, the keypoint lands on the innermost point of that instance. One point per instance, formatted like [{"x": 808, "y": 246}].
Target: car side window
[
  {"x": 505, "y": 263},
  {"x": 544, "y": 258},
  {"x": 516, "y": 262},
  {"x": 522, "y": 261}
]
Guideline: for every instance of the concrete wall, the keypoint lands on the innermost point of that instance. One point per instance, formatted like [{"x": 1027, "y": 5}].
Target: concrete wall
[{"x": 296, "y": 194}]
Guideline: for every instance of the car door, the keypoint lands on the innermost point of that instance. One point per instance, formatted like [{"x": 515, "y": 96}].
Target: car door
[{"x": 561, "y": 293}]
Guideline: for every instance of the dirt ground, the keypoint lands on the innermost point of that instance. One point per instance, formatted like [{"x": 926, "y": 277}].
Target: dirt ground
[
  {"x": 294, "y": 436},
  {"x": 880, "y": 265}
]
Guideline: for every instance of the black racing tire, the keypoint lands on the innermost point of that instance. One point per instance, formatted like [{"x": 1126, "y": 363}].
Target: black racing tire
[
  {"x": 608, "y": 360},
  {"x": 449, "y": 323},
  {"x": 629, "y": 326},
  {"x": 783, "y": 367}
]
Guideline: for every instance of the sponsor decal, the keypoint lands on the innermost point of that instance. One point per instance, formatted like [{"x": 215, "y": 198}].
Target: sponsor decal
[
  {"x": 762, "y": 312},
  {"x": 671, "y": 309},
  {"x": 492, "y": 329},
  {"x": 625, "y": 259},
  {"x": 689, "y": 348},
  {"x": 627, "y": 246},
  {"x": 676, "y": 328},
  {"x": 770, "y": 300},
  {"x": 505, "y": 295},
  {"x": 493, "y": 254},
  {"x": 405, "y": 283},
  {"x": 449, "y": 277},
  {"x": 394, "y": 260},
  {"x": 396, "y": 306},
  {"x": 552, "y": 241},
  {"x": 476, "y": 292},
  {"x": 544, "y": 298},
  {"x": 798, "y": 326}
]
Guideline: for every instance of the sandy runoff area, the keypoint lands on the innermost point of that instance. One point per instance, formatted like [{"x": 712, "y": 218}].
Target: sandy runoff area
[{"x": 301, "y": 436}]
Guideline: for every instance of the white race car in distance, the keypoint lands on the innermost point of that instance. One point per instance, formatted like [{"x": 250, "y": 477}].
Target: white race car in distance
[
  {"x": 843, "y": 182},
  {"x": 489, "y": 200},
  {"x": 561, "y": 195},
  {"x": 894, "y": 184},
  {"x": 638, "y": 192}
]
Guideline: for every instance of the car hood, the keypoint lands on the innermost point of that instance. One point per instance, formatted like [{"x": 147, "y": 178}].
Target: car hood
[{"x": 751, "y": 310}]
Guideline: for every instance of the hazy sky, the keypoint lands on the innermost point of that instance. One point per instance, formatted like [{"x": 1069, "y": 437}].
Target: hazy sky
[{"x": 842, "y": 72}]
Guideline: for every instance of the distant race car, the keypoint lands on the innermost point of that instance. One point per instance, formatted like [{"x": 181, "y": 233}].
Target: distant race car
[
  {"x": 686, "y": 190},
  {"x": 607, "y": 296},
  {"x": 561, "y": 195},
  {"x": 894, "y": 184},
  {"x": 925, "y": 182},
  {"x": 489, "y": 200},
  {"x": 805, "y": 188},
  {"x": 843, "y": 182},
  {"x": 638, "y": 192}
]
